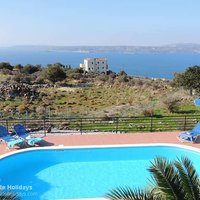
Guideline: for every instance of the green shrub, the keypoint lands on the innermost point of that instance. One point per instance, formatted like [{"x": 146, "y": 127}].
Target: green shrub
[
  {"x": 6, "y": 65},
  {"x": 171, "y": 102},
  {"x": 148, "y": 112},
  {"x": 54, "y": 73},
  {"x": 30, "y": 69}
]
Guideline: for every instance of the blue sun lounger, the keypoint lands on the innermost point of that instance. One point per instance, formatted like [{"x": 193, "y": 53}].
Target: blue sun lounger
[
  {"x": 197, "y": 102},
  {"x": 21, "y": 131},
  {"x": 8, "y": 139},
  {"x": 190, "y": 136}
]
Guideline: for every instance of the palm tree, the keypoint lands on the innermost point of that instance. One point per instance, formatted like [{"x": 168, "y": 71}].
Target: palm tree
[
  {"x": 172, "y": 180},
  {"x": 9, "y": 196}
]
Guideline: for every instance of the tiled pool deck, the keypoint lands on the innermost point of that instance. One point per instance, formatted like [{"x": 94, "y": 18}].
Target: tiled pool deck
[{"x": 108, "y": 139}]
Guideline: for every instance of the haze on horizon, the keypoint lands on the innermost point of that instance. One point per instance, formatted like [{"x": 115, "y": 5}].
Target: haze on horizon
[{"x": 99, "y": 22}]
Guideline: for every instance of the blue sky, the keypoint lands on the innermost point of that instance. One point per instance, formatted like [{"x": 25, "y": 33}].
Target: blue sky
[{"x": 99, "y": 22}]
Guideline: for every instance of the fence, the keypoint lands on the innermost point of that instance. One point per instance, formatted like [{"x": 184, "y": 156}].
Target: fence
[{"x": 108, "y": 124}]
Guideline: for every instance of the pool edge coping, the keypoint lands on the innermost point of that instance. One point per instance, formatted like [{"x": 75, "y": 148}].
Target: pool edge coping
[{"x": 99, "y": 146}]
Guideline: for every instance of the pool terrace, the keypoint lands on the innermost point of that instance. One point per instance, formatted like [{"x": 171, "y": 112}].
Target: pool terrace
[{"x": 107, "y": 139}]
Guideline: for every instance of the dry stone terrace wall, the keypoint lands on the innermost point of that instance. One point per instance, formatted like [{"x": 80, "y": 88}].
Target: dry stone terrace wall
[{"x": 8, "y": 91}]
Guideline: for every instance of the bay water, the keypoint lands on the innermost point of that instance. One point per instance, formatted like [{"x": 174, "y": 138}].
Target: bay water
[{"x": 157, "y": 65}]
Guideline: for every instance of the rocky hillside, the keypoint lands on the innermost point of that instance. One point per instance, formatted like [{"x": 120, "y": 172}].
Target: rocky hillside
[{"x": 33, "y": 91}]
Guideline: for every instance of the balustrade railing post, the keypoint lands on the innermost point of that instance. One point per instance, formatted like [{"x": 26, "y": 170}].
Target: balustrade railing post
[
  {"x": 117, "y": 124},
  {"x": 81, "y": 128},
  {"x": 185, "y": 123},
  {"x": 151, "y": 127},
  {"x": 7, "y": 124},
  {"x": 44, "y": 125}
]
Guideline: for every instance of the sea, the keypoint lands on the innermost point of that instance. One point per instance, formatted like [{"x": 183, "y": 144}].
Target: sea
[{"x": 152, "y": 65}]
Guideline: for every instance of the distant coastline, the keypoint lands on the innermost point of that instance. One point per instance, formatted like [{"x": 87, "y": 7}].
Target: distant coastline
[{"x": 171, "y": 48}]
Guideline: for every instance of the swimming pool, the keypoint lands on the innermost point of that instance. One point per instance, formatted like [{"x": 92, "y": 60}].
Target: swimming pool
[{"x": 83, "y": 172}]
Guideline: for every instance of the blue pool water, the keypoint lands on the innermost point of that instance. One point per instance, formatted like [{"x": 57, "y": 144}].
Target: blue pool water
[{"x": 84, "y": 172}]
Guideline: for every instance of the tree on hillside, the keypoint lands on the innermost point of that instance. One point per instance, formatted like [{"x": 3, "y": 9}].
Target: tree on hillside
[
  {"x": 54, "y": 73},
  {"x": 176, "y": 180},
  {"x": 122, "y": 73},
  {"x": 18, "y": 67},
  {"x": 190, "y": 79},
  {"x": 30, "y": 69},
  {"x": 122, "y": 77},
  {"x": 6, "y": 65},
  {"x": 60, "y": 65}
]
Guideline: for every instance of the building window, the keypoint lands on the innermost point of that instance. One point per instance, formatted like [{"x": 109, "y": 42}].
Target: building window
[
  {"x": 103, "y": 62},
  {"x": 89, "y": 68},
  {"x": 97, "y": 62}
]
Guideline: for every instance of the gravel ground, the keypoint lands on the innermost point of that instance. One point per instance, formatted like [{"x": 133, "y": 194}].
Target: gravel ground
[{"x": 55, "y": 131}]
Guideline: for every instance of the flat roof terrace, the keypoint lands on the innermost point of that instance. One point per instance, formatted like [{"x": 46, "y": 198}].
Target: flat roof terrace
[{"x": 107, "y": 139}]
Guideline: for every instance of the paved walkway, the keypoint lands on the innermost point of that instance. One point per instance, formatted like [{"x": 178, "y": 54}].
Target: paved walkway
[{"x": 107, "y": 139}]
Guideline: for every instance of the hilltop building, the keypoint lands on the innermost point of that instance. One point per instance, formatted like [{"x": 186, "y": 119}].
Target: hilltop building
[{"x": 98, "y": 65}]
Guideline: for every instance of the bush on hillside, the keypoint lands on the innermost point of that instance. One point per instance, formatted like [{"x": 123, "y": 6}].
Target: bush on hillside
[
  {"x": 171, "y": 102},
  {"x": 37, "y": 78},
  {"x": 54, "y": 73},
  {"x": 148, "y": 112},
  {"x": 131, "y": 82},
  {"x": 18, "y": 67},
  {"x": 6, "y": 71},
  {"x": 6, "y": 65},
  {"x": 22, "y": 108},
  {"x": 21, "y": 78},
  {"x": 123, "y": 79},
  {"x": 30, "y": 69},
  {"x": 103, "y": 77},
  {"x": 74, "y": 75},
  {"x": 122, "y": 73}
]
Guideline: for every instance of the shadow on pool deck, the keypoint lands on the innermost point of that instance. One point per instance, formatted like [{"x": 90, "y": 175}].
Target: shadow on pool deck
[{"x": 45, "y": 143}]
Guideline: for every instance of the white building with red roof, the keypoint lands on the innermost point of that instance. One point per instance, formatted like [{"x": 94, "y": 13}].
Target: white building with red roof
[{"x": 98, "y": 65}]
